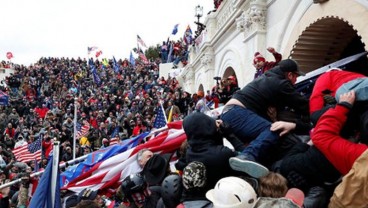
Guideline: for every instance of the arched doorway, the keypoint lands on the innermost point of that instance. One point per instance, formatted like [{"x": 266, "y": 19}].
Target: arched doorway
[
  {"x": 229, "y": 72},
  {"x": 327, "y": 40},
  {"x": 200, "y": 88}
]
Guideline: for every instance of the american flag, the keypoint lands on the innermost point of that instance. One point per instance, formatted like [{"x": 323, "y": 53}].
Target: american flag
[
  {"x": 160, "y": 120},
  {"x": 143, "y": 58},
  {"x": 139, "y": 39},
  {"x": 90, "y": 49},
  {"x": 29, "y": 152},
  {"x": 110, "y": 172},
  {"x": 82, "y": 130}
]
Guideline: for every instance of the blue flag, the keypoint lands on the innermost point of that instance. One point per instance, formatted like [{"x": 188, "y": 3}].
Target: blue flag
[
  {"x": 116, "y": 65},
  {"x": 115, "y": 132},
  {"x": 42, "y": 196},
  {"x": 131, "y": 59},
  {"x": 4, "y": 98},
  {"x": 175, "y": 30},
  {"x": 160, "y": 120},
  {"x": 96, "y": 78},
  {"x": 95, "y": 157}
]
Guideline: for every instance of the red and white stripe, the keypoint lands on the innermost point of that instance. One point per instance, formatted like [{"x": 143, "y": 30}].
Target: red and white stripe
[
  {"x": 23, "y": 155},
  {"x": 109, "y": 173},
  {"x": 84, "y": 131}
]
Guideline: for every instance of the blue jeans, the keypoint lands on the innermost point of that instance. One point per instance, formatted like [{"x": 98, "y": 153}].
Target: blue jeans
[{"x": 253, "y": 129}]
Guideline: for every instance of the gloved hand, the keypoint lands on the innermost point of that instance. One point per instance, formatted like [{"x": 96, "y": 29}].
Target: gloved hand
[{"x": 329, "y": 100}]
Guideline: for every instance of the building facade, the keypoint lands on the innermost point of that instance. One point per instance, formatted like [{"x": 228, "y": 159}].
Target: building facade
[{"x": 315, "y": 33}]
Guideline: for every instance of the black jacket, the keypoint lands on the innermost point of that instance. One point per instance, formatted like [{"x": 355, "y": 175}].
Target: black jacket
[
  {"x": 311, "y": 166},
  {"x": 271, "y": 89},
  {"x": 205, "y": 145}
]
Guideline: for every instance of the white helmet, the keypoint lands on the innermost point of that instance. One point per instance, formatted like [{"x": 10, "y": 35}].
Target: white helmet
[{"x": 232, "y": 192}]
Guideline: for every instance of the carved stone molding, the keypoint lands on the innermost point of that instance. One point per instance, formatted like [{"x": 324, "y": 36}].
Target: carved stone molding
[
  {"x": 207, "y": 59},
  {"x": 240, "y": 22},
  {"x": 189, "y": 75},
  {"x": 255, "y": 17}
]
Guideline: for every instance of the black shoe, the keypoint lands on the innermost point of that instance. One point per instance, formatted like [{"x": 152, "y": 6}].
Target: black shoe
[{"x": 245, "y": 164}]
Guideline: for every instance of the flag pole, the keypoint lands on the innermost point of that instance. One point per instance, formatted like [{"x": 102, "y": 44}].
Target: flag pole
[
  {"x": 71, "y": 162},
  {"x": 75, "y": 125},
  {"x": 55, "y": 170},
  {"x": 162, "y": 108}
]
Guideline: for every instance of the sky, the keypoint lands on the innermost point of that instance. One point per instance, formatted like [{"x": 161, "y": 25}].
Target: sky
[{"x": 31, "y": 29}]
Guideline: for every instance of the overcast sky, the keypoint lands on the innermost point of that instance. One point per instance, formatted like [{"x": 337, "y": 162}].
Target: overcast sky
[{"x": 31, "y": 29}]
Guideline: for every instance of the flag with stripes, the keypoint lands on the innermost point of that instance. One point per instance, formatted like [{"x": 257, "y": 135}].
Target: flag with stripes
[
  {"x": 29, "y": 152},
  {"x": 109, "y": 173},
  {"x": 139, "y": 40},
  {"x": 160, "y": 120},
  {"x": 143, "y": 57},
  {"x": 82, "y": 130},
  {"x": 90, "y": 49},
  {"x": 98, "y": 156}
]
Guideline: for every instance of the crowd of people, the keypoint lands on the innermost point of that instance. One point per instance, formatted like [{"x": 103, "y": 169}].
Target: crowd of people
[
  {"x": 283, "y": 148},
  {"x": 42, "y": 103}
]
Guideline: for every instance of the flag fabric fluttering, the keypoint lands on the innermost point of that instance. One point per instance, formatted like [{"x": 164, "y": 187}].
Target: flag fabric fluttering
[
  {"x": 160, "y": 120},
  {"x": 115, "y": 65},
  {"x": 139, "y": 39},
  {"x": 29, "y": 152},
  {"x": 4, "y": 98},
  {"x": 109, "y": 173},
  {"x": 9, "y": 55},
  {"x": 96, "y": 78},
  {"x": 143, "y": 57},
  {"x": 98, "y": 53},
  {"x": 131, "y": 59},
  {"x": 105, "y": 62},
  {"x": 175, "y": 29},
  {"x": 98, "y": 156},
  {"x": 43, "y": 194},
  {"x": 82, "y": 130},
  {"x": 188, "y": 36},
  {"x": 91, "y": 49}
]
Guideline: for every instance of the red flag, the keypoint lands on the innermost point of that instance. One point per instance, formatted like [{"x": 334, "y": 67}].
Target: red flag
[
  {"x": 9, "y": 55},
  {"x": 109, "y": 173},
  {"x": 98, "y": 53}
]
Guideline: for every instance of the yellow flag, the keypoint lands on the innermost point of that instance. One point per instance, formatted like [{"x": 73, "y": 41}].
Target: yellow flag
[
  {"x": 170, "y": 115},
  {"x": 105, "y": 62}
]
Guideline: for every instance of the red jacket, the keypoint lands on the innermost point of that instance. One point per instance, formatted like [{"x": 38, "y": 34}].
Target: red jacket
[
  {"x": 331, "y": 81},
  {"x": 339, "y": 151},
  {"x": 41, "y": 112}
]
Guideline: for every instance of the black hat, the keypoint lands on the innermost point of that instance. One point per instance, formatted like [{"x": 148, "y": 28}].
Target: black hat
[
  {"x": 156, "y": 168},
  {"x": 290, "y": 65}
]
